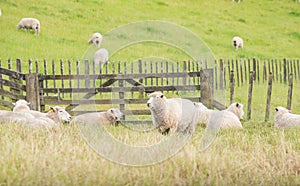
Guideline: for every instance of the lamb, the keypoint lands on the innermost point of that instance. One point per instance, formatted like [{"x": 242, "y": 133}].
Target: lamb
[
  {"x": 30, "y": 23},
  {"x": 237, "y": 42},
  {"x": 101, "y": 57},
  {"x": 96, "y": 39},
  {"x": 283, "y": 118},
  {"x": 175, "y": 114},
  {"x": 109, "y": 117},
  {"x": 230, "y": 117}
]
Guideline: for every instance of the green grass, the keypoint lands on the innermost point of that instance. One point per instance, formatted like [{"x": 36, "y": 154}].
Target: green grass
[{"x": 270, "y": 29}]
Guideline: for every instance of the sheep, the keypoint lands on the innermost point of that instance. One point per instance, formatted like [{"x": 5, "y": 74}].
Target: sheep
[
  {"x": 96, "y": 39},
  {"x": 21, "y": 106},
  {"x": 283, "y": 118},
  {"x": 30, "y": 23},
  {"x": 237, "y": 42},
  {"x": 173, "y": 114},
  {"x": 55, "y": 115},
  {"x": 101, "y": 57},
  {"x": 230, "y": 116},
  {"x": 109, "y": 117}
]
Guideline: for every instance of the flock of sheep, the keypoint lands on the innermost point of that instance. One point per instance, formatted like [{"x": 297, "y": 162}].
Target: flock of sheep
[
  {"x": 173, "y": 114},
  {"x": 168, "y": 115},
  {"x": 100, "y": 56}
]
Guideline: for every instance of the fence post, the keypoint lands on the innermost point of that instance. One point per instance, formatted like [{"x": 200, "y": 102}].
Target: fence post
[
  {"x": 121, "y": 96},
  {"x": 87, "y": 72},
  {"x": 206, "y": 87},
  {"x": 32, "y": 91},
  {"x": 284, "y": 70},
  {"x": 269, "y": 95},
  {"x": 221, "y": 74},
  {"x": 290, "y": 92},
  {"x": 250, "y": 96},
  {"x": 231, "y": 86}
]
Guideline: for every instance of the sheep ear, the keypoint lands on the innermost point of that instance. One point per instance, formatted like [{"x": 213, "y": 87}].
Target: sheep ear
[
  {"x": 237, "y": 104},
  {"x": 276, "y": 109},
  {"x": 52, "y": 109},
  {"x": 14, "y": 103}
]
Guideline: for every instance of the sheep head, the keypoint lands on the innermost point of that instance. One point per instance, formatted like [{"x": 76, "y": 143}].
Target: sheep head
[
  {"x": 281, "y": 110},
  {"x": 59, "y": 114},
  {"x": 156, "y": 100},
  {"x": 237, "y": 109}
]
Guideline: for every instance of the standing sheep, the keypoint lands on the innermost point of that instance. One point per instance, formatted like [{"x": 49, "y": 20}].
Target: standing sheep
[
  {"x": 30, "y": 23},
  {"x": 109, "y": 117},
  {"x": 230, "y": 117},
  {"x": 237, "y": 42},
  {"x": 283, "y": 118},
  {"x": 176, "y": 114},
  {"x": 96, "y": 39},
  {"x": 101, "y": 57}
]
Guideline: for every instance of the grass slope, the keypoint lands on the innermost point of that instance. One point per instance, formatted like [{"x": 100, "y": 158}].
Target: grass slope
[{"x": 270, "y": 28}]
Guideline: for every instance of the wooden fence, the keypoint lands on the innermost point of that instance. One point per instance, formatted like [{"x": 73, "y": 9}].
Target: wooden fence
[
  {"x": 82, "y": 86},
  {"x": 85, "y": 87}
]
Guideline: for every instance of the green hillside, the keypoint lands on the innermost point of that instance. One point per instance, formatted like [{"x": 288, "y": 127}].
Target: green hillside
[{"x": 270, "y": 29}]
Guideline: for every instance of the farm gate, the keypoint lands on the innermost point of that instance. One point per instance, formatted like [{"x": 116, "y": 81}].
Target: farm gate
[{"x": 81, "y": 86}]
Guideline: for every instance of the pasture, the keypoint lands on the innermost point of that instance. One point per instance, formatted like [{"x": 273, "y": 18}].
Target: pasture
[{"x": 257, "y": 155}]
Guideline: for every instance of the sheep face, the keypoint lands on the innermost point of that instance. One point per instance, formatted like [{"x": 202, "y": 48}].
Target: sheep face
[
  {"x": 237, "y": 42},
  {"x": 237, "y": 109},
  {"x": 116, "y": 113},
  {"x": 62, "y": 114},
  {"x": 156, "y": 99},
  {"x": 96, "y": 39}
]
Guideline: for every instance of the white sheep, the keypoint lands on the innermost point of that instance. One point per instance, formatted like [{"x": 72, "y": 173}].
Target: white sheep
[
  {"x": 30, "y": 23},
  {"x": 21, "y": 106},
  {"x": 237, "y": 42},
  {"x": 172, "y": 114},
  {"x": 101, "y": 57},
  {"x": 283, "y": 118},
  {"x": 55, "y": 115},
  {"x": 96, "y": 39},
  {"x": 109, "y": 117},
  {"x": 229, "y": 118}
]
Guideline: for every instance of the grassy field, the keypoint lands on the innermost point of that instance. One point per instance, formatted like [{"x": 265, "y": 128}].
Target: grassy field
[
  {"x": 270, "y": 29},
  {"x": 257, "y": 155}
]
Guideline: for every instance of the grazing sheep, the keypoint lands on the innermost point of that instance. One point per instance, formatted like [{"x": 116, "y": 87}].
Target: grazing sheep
[
  {"x": 176, "y": 114},
  {"x": 108, "y": 117},
  {"x": 30, "y": 23},
  {"x": 101, "y": 57},
  {"x": 230, "y": 116},
  {"x": 283, "y": 118},
  {"x": 96, "y": 39},
  {"x": 237, "y": 42},
  {"x": 21, "y": 106}
]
